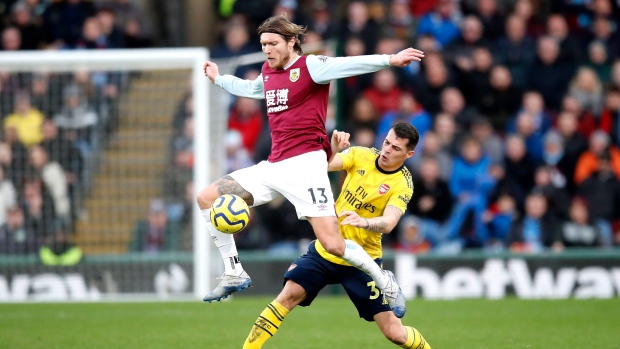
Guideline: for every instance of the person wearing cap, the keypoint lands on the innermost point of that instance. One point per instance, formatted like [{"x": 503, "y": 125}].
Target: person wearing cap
[
  {"x": 77, "y": 116},
  {"x": 410, "y": 238}
]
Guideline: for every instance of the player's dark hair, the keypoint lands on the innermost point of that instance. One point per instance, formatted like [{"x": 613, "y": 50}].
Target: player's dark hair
[
  {"x": 407, "y": 131},
  {"x": 282, "y": 26}
]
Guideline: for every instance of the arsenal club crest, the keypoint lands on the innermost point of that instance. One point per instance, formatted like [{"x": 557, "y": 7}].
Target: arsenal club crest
[
  {"x": 383, "y": 188},
  {"x": 294, "y": 75}
]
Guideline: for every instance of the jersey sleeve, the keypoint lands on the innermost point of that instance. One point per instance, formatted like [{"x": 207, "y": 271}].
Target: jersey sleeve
[
  {"x": 324, "y": 69},
  {"x": 348, "y": 157},
  {"x": 242, "y": 88},
  {"x": 401, "y": 198}
]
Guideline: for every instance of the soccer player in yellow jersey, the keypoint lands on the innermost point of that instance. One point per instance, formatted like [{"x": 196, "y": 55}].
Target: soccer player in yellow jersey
[{"x": 374, "y": 196}]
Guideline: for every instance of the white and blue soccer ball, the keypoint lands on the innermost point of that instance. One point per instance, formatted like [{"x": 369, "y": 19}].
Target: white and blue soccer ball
[{"x": 230, "y": 214}]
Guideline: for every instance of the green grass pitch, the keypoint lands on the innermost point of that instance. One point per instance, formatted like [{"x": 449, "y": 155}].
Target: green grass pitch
[{"x": 331, "y": 322}]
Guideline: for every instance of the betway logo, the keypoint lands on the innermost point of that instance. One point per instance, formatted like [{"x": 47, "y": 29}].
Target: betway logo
[
  {"x": 46, "y": 287},
  {"x": 497, "y": 275}
]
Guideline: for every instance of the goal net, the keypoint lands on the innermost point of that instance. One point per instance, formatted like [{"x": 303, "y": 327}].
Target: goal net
[{"x": 99, "y": 173}]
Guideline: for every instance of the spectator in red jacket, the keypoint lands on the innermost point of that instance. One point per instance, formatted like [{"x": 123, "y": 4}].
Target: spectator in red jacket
[
  {"x": 384, "y": 92},
  {"x": 246, "y": 117}
]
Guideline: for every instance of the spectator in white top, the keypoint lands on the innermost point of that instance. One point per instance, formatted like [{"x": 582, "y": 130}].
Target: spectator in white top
[
  {"x": 237, "y": 156},
  {"x": 55, "y": 180},
  {"x": 8, "y": 196}
]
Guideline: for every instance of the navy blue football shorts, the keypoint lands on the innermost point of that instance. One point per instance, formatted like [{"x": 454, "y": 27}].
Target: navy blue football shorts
[{"x": 313, "y": 273}]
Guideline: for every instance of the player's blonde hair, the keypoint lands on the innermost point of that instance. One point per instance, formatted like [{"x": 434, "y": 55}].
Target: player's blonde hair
[{"x": 282, "y": 26}]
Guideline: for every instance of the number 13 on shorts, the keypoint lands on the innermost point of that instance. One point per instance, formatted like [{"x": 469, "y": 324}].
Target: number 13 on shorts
[{"x": 320, "y": 194}]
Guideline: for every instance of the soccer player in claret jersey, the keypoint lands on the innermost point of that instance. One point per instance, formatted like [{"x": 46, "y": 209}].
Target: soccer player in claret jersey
[
  {"x": 374, "y": 196},
  {"x": 295, "y": 89}
]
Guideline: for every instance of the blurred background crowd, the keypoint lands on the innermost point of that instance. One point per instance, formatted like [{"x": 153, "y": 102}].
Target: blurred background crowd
[{"x": 517, "y": 103}]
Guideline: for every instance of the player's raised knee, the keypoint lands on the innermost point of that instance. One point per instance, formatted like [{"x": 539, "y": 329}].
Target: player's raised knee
[{"x": 206, "y": 196}]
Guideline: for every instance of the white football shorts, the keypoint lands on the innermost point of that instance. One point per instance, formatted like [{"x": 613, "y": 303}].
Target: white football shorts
[{"x": 301, "y": 179}]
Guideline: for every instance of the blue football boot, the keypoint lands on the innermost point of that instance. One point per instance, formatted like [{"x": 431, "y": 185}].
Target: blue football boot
[{"x": 395, "y": 297}]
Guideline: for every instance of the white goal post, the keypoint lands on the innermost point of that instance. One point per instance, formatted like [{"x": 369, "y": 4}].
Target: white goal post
[{"x": 207, "y": 166}]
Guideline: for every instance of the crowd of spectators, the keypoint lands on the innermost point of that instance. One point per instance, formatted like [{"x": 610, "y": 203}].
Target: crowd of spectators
[
  {"x": 517, "y": 103},
  {"x": 71, "y": 24},
  {"x": 54, "y": 124}
]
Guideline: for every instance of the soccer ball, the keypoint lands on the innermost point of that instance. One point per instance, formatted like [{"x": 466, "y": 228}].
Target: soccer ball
[{"x": 230, "y": 214}]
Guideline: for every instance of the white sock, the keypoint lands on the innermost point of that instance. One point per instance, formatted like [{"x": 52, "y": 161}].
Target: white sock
[
  {"x": 355, "y": 255},
  {"x": 226, "y": 244}
]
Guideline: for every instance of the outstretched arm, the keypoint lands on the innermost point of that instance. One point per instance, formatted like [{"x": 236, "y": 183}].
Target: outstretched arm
[
  {"x": 324, "y": 69},
  {"x": 382, "y": 224},
  {"x": 340, "y": 142},
  {"x": 238, "y": 87}
]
